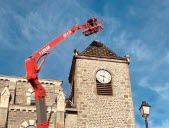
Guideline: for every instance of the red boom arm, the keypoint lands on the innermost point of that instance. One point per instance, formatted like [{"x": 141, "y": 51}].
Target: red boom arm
[{"x": 93, "y": 25}]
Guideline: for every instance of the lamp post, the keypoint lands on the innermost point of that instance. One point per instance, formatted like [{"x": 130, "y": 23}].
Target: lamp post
[{"x": 145, "y": 111}]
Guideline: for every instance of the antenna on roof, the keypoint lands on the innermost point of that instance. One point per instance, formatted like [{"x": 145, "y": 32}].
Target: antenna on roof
[
  {"x": 94, "y": 35},
  {"x": 76, "y": 20}
]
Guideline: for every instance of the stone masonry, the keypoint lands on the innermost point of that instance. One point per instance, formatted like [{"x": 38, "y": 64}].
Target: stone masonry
[
  {"x": 101, "y": 111},
  {"x": 86, "y": 108},
  {"x": 16, "y": 110}
]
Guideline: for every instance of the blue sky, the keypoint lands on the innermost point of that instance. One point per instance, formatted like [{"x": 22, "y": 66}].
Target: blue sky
[{"x": 134, "y": 27}]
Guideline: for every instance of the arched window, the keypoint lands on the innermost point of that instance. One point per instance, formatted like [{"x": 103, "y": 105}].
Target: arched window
[
  {"x": 33, "y": 98},
  {"x": 30, "y": 96},
  {"x": 31, "y": 126},
  {"x": 28, "y": 124}
]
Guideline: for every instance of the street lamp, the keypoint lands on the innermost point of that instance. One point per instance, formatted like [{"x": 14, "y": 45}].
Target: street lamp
[{"x": 145, "y": 111}]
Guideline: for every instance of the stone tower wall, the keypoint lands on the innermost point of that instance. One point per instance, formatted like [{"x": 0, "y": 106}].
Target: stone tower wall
[
  {"x": 98, "y": 111},
  {"x": 71, "y": 120}
]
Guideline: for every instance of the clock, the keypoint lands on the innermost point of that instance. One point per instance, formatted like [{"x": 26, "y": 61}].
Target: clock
[{"x": 103, "y": 76}]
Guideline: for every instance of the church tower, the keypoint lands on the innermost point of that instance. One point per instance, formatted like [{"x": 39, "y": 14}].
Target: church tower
[{"x": 100, "y": 90}]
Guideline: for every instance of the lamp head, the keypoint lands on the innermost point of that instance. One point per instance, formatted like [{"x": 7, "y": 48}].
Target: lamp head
[{"x": 145, "y": 109}]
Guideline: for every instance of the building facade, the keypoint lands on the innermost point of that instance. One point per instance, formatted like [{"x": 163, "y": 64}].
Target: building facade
[
  {"x": 101, "y": 95},
  {"x": 17, "y": 102}
]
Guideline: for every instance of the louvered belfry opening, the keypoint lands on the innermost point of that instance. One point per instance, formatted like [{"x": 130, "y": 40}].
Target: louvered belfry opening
[{"x": 104, "y": 89}]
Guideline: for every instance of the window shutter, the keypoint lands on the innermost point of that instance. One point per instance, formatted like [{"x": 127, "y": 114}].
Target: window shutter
[{"x": 104, "y": 89}]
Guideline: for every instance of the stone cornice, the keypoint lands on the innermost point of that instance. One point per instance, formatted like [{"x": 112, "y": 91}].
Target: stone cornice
[
  {"x": 126, "y": 60},
  {"x": 23, "y": 79},
  {"x": 29, "y": 108},
  {"x": 102, "y": 59}
]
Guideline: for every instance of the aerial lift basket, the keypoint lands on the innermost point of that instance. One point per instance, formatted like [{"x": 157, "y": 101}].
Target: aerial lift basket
[{"x": 93, "y": 25}]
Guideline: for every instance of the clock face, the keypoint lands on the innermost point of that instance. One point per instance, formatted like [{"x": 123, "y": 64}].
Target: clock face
[{"x": 103, "y": 76}]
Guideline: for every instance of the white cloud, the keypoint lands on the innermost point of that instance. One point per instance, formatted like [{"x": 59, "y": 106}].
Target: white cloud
[
  {"x": 139, "y": 125},
  {"x": 144, "y": 82},
  {"x": 161, "y": 90},
  {"x": 140, "y": 50},
  {"x": 121, "y": 39},
  {"x": 165, "y": 124},
  {"x": 134, "y": 47},
  {"x": 166, "y": 58}
]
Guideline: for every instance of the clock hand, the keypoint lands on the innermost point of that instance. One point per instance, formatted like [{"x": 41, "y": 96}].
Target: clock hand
[{"x": 101, "y": 75}]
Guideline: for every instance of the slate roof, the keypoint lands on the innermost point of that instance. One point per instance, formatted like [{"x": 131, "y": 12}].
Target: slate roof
[{"x": 97, "y": 49}]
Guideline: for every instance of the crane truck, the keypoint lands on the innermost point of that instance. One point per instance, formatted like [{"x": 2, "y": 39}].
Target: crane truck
[{"x": 36, "y": 60}]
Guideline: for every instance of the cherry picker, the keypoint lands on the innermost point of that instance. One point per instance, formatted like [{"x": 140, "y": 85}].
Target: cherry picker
[{"x": 91, "y": 26}]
